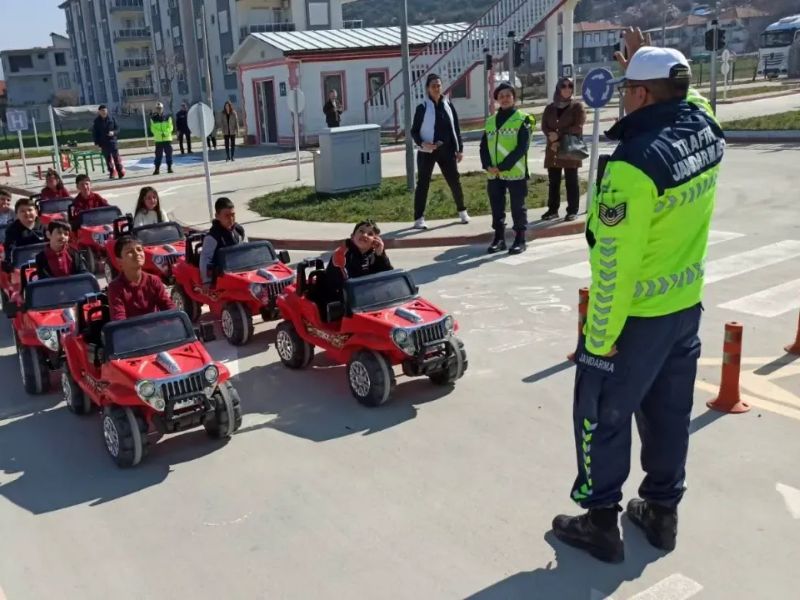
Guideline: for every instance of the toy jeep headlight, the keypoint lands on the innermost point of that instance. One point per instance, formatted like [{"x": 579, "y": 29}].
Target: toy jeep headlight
[
  {"x": 99, "y": 238},
  {"x": 403, "y": 340},
  {"x": 258, "y": 290},
  {"x": 449, "y": 323},
  {"x": 48, "y": 337},
  {"x": 211, "y": 374},
  {"x": 148, "y": 391}
]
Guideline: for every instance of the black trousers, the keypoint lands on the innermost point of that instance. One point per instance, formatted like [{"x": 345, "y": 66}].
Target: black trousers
[
  {"x": 518, "y": 192},
  {"x": 163, "y": 149},
  {"x": 446, "y": 159},
  {"x": 651, "y": 379},
  {"x": 113, "y": 161},
  {"x": 188, "y": 136},
  {"x": 212, "y": 139},
  {"x": 573, "y": 190},
  {"x": 230, "y": 146}
]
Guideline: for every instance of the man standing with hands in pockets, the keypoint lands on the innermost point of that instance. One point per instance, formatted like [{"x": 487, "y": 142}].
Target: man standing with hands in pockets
[{"x": 648, "y": 232}]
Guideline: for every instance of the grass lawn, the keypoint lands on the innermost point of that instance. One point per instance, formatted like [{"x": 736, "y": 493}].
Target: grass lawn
[
  {"x": 781, "y": 121},
  {"x": 753, "y": 91},
  {"x": 387, "y": 203}
]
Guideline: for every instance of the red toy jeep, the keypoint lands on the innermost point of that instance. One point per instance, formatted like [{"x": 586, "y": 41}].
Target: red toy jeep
[
  {"x": 247, "y": 281},
  {"x": 46, "y": 314},
  {"x": 91, "y": 228},
  {"x": 53, "y": 210},
  {"x": 150, "y": 375},
  {"x": 380, "y": 322},
  {"x": 164, "y": 246},
  {"x": 11, "y": 280}
]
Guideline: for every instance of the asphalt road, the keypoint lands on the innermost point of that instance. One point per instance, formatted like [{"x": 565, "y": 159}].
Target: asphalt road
[{"x": 438, "y": 494}]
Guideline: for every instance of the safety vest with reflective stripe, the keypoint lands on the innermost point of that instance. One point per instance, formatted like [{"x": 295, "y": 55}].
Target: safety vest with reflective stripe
[
  {"x": 501, "y": 142},
  {"x": 161, "y": 130}
]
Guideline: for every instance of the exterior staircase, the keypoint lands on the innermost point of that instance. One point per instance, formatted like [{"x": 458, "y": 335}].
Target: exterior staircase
[{"x": 453, "y": 54}]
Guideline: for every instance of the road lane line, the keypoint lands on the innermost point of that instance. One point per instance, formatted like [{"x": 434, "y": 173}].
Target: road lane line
[
  {"x": 778, "y": 409},
  {"x": 583, "y": 270},
  {"x": 752, "y": 260},
  {"x": 768, "y": 303},
  {"x": 541, "y": 251},
  {"x": 674, "y": 587},
  {"x": 791, "y": 497}
]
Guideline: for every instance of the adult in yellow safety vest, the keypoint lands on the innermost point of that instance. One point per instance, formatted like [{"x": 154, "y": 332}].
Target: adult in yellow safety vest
[
  {"x": 504, "y": 156},
  {"x": 647, "y": 228},
  {"x": 161, "y": 130}
]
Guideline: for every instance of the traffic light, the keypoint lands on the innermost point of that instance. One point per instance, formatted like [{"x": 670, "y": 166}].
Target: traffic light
[
  {"x": 519, "y": 53},
  {"x": 720, "y": 39},
  {"x": 489, "y": 61},
  {"x": 719, "y": 34}
]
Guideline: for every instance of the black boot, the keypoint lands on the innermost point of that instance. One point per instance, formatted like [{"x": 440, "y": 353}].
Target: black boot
[
  {"x": 519, "y": 246},
  {"x": 156, "y": 171},
  {"x": 498, "y": 245},
  {"x": 169, "y": 169},
  {"x": 659, "y": 523},
  {"x": 596, "y": 532}
]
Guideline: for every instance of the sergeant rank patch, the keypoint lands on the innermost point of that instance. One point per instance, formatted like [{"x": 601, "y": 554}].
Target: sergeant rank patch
[{"x": 613, "y": 215}]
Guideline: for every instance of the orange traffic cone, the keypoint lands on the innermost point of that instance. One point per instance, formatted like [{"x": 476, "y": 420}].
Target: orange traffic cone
[
  {"x": 728, "y": 400},
  {"x": 583, "y": 309},
  {"x": 795, "y": 348}
]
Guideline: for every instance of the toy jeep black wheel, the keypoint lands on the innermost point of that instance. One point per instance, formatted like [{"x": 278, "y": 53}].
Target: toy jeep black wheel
[
  {"x": 237, "y": 324},
  {"x": 74, "y": 397},
  {"x": 294, "y": 351},
  {"x": 183, "y": 302},
  {"x": 91, "y": 260},
  {"x": 124, "y": 433},
  {"x": 109, "y": 271},
  {"x": 370, "y": 377},
  {"x": 3, "y": 299},
  {"x": 455, "y": 366},
  {"x": 34, "y": 371},
  {"x": 227, "y": 415}
]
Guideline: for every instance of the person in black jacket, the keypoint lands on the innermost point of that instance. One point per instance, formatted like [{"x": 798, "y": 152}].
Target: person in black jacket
[
  {"x": 182, "y": 125},
  {"x": 361, "y": 254},
  {"x": 105, "y": 132},
  {"x": 24, "y": 231},
  {"x": 225, "y": 231},
  {"x": 333, "y": 110},
  {"x": 58, "y": 259}
]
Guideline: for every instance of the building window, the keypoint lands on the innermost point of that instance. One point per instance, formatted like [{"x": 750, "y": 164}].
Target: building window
[
  {"x": 334, "y": 81},
  {"x": 63, "y": 81},
  {"x": 61, "y": 59},
  {"x": 228, "y": 70},
  {"x": 233, "y": 98},
  {"x": 223, "y": 21},
  {"x": 376, "y": 92},
  {"x": 18, "y": 63},
  {"x": 460, "y": 88}
]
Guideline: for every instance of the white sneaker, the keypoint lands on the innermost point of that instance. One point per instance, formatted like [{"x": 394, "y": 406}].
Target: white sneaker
[
  {"x": 420, "y": 223},
  {"x": 464, "y": 217}
]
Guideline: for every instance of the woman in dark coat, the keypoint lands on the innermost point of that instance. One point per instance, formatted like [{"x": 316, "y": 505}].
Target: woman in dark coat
[{"x": 564, "y": 115}]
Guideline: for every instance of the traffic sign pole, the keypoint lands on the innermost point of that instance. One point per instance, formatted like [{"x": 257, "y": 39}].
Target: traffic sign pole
[
  {"x": 22, "y": 153},
  {"x": 296, "y": 134},
  {"x": 594, "y": 158},
  {"x": 35, "y": 132},
  {"x": 201, "y": 118},
  {"x": 597, "y": 92}
]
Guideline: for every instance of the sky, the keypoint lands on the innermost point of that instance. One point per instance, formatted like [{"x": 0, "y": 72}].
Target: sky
[{"x": 28, "y": 23}]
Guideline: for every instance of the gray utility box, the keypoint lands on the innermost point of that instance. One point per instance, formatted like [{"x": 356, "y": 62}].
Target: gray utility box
[{"x": 349, "y": 158}]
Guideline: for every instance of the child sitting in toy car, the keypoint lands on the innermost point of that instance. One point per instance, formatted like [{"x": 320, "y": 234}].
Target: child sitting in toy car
[
  {"x": 86, "y": 198},
  {"x": 362, "y": 254},
  {"x": 6, "y": 212},
  {"x": 24, "y": 230},
  {"x": 133, "y": 292},
  {"x": 58, "y": 259},
  {"x": 225, "y": 231}
]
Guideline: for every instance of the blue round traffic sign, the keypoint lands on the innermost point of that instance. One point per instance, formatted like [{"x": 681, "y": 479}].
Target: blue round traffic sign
[{"x": 597, "y": 90}]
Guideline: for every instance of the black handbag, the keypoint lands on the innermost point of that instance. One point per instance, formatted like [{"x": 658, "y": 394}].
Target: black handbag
[{"x": 572, "y": 147}]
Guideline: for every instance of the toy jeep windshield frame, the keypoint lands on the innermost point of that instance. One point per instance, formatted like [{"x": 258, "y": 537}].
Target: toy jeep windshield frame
[
  {"x": 61, "y": 292},
  {"x": 148, "y": 334},
  {"x": 381, "y": 290}
]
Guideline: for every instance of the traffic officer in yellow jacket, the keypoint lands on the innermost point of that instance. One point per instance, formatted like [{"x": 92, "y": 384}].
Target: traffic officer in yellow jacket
[
  {"x": 504, "y": 156},
  {"x": 161, "y": 129},
  {"x": 648, "y": 232}
]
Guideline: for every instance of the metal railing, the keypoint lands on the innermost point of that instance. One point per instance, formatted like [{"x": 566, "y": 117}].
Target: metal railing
[
  {"x": 136, "y": 5},
  {"x": 265, "y": 28},
  {"x": 132, "y": 34},
  {"x": 353, "y": 23},
  {"x": 137, "y": 92},
  {"x": 134, "y": 64}
]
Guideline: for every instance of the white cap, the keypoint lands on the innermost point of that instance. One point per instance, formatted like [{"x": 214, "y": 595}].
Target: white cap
[
  {"x": 159, "y": 105},
  {"x": 651, "y": 62}
]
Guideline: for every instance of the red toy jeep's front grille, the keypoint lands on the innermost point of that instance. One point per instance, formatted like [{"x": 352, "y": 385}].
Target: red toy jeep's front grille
[
  {"x": 276, "y": 287},
  {"x": 171, "y": 259},
  {"x": 183, "y": 387},
  {"x": 428, "y": 335}
]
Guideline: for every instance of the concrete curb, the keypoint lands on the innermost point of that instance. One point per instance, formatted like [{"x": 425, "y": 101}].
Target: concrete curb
[
  {"x": 407, "y": 241},
  {"x": 779, "y": 136}
]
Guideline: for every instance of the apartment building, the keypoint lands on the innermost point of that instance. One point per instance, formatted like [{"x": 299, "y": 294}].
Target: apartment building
[
  {"x": 134, "y": 52},
  {"x": 594, "y": 44},
  {"x": 38, "y": 77}
]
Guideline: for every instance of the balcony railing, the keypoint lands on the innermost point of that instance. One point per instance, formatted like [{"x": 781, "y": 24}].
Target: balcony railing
[
  {"x": 353, "y": 23},
  {"x": 126, "y": 5},
  {"x": 265, "y": 28},
  {"x": 138, "y": 92},
  {"x": 124, "y": 35},
  {"x": 134, "y": 64}
]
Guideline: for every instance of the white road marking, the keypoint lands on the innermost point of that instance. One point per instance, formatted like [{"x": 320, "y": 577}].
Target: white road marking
[
  {"x": 768, "y": 303},
  {"x": 752, "y": 260},
  {"x": 537, "y": 251},
  {"x": 583, "y": 270},
  {"x": 674, "y": 587},
  {"x": 791, "y": 496}
]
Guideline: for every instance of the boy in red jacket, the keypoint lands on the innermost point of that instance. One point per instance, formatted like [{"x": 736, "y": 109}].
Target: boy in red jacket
[
  {"x": 135, "y": 293},
  {"x": 86, "y": 198}
]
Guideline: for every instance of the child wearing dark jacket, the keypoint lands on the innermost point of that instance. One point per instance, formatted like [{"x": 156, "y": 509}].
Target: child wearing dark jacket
[{"x": 361, "y": 254}]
